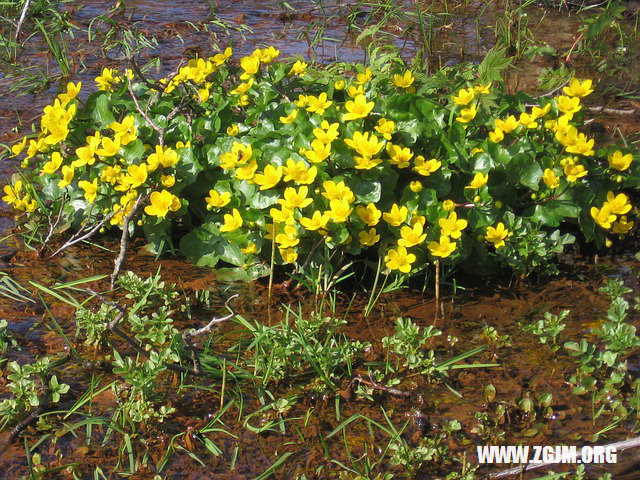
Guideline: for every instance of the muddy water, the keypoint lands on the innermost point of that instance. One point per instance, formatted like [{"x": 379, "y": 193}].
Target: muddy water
[{"x": 524, "y": 367}]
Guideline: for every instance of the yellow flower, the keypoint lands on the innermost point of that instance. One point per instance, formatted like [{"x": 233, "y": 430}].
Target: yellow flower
[
  {"x": 415, "y": 186},
  {"x": 622, "y": 226},
  {"x": 339, "y": 84},
  {"x": 550, "y": 179},
  {"x": 426, "y": 168},
  {"x": 181, "y": 144},
  {"x": 442, "y": 248},
  {"x": 136, "y": 176},
  {"x": 527, "y": 120},
  {"x": 67, "y": 176},
  {"x": 363, "y": 144},
  {"x": 270, "y": 178},
  {"x": 416, "y": 218},
  {"x": 327, "y": 133},
  {"x": 298, "y": 172},
  {"x": 318, "y": 104},
  {"x": 603, "y": 216},
  {"x": 386, "y": 128},
  {"x": 467, "y": 114},
  {"x": 496, "y": 136},
  {"x": 574, "y": 171},
  {"x": 357, "y": 108},
  {"x": 267, "y": 55},
  {"x": 362, "y": 78},
  {"x": 109, "y": 147},
  {"x": 52, "y": 165},
  {"x": 451, "y": 226},
  {"x": 577, "y": 88},
  {"x": 288, "y": 255},
  {"x": 396, "y": 216},
  {"x": 411, "y": 236},
  {"x": 464, "y": 97},
  {"x": 90, "y": 189},
  {"x": 289, "y": 119},
  {"x": 284, "y": 215},
  {"x": 366, "y": 163},
  {"x": 125, "y": 131},
  {"x": 298, "y": 68},
  {"x": 249, "y": 249},
  {"x": 368, "y": 239},
  {"x": 319, "y": 151},
  {"x": 162, "y": 203},
  {"x": 167, "y": 157},
  {"x": 339, "y": 210},
  {"x": 107, "y": 79},
  {"x": 399, "y": 155},
  {"x": 233, "y": 130},
  {"x": 619, "y": 161},
  {"x": 243, "y": 101},
  {"x": 86, "y": 154},
  {"x": 247, "y": 172},
  {"x": 369, "y": 214},
  {"x": 243, "y": 87},
  {"x": 537, "y": 112},
  {"x": 404, "y": 81},
  {"x": 448, "y": 205},
  {"x": 483, "y": 89},
  {"x": 497, "y": 235},
  {"x": 19, "y": 147},
  {"x": 110, "y": 174},
  {"x": 73, "y": 89},
  {"x": 232, "y": 222},
  {"x": 479, "y": 180},
  {"x": 508, "y": 125},
  {"x": 354, "y": 91},
  {"x": 295, "y": 198},
  {"x": 568, "y": 105},
  {"x": 250, "y": 65},
  {"x": 619, "y": 204},
  {"x": 12, "y": 193},
  {"x": 168, "y": 180},
  {"x": 581, "y": 145},
  {"x": 337, "y": 191},
  {"x": 317, "y": 221},
  {"x": 302, "y": 101},
  {"x": 288, "y": 238},
  {"x": 399, "y": 259}
]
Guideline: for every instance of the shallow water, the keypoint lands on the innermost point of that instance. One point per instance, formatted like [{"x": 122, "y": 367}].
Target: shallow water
[{"x": 526, "y": 366}]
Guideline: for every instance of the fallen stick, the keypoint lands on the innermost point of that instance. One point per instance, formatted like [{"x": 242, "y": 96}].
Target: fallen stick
[{"x": 618, "y": 446}]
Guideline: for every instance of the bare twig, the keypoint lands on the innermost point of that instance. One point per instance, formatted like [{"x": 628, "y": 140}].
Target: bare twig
[
  {"x": 190, "y": 335},
  {"x": 555, "y": 90},
  {"x": 391, "y": 391},
  {"x": 613, "y": 111},
  {"x": 435, "y": 317},
  {"x": 79, "y": 236},
  {"x": 23, "y": 15},
  {"x": 509, "y": 472},
  {"x": 12, "y": 22},
  {"x": 568, "y": 57},
  {"x": 53, "y": 225},
  {"x": 145, "y": 116},
  {"x": 124, "y": 240}
]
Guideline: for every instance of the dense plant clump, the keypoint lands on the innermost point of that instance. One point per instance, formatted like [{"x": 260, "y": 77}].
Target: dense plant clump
[{"x": 285, "y": 163}]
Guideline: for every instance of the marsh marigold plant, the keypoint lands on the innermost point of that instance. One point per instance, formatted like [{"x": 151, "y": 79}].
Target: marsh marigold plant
[{"x": 286, "y": 160}]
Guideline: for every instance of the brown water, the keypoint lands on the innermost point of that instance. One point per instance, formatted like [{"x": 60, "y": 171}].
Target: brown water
[{"x": 526, "y": 366}]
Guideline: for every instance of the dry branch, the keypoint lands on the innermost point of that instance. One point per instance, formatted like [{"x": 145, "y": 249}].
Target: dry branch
[{"x": 509, "y": 472}]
